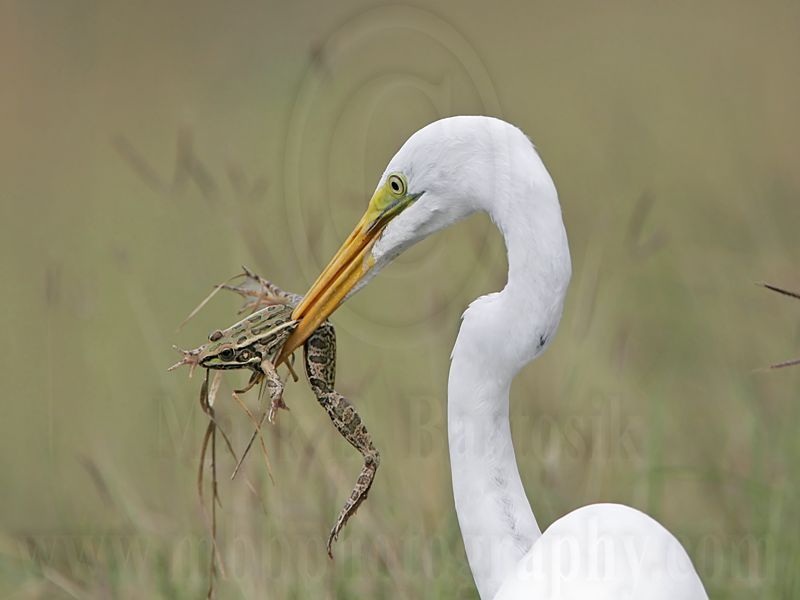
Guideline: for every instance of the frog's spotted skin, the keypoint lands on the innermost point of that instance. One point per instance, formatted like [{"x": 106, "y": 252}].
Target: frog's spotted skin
[
  {"x": 248, "y": 342},
  {"x": 320, "y": 360},
  {"x": 253, "y": 343}
]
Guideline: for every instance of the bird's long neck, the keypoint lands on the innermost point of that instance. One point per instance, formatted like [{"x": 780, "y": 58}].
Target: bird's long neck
[{"x": 500, "y": 333}]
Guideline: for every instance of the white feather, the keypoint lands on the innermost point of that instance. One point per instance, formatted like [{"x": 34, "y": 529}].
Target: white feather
[{"x": 602, "y": 551}]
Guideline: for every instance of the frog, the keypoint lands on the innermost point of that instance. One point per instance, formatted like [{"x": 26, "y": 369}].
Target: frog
[{"x": 254, "y": 342}]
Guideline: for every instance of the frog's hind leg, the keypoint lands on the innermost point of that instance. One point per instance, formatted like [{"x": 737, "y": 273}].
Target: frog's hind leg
[
  {"x": 348, "y": 422},
  {"x": 321, "y": 368}
]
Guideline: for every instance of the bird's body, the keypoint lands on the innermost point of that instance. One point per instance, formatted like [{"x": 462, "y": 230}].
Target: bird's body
[
  {"x": 444, "y": 172},
  {"x": 604, "y": 552}
]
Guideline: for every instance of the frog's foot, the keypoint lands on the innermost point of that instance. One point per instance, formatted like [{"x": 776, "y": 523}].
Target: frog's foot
[
  {"x": 256, "y": 291},
  {"x": 274, "y": 406},
  {"x": 190, "y": 357},
  {"x": 259, "y": 292},
  {"x": 357, "y": 496}
]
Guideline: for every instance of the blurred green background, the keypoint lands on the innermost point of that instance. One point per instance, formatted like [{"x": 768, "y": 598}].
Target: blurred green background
[{"x": 149, "y": 149}]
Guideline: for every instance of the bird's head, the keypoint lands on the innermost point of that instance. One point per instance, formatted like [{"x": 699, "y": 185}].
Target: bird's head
[{"x": 444, "y": 172}]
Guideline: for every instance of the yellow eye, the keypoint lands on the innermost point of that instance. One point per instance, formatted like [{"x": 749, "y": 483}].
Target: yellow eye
[{"x": 397, "y": 185}]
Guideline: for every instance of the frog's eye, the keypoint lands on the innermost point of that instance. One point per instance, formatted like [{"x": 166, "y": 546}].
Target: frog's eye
[
  {"x": 214, "y": 336},
  {"x": 227, "y": 354},
  {"x": 397, "y": 185}
]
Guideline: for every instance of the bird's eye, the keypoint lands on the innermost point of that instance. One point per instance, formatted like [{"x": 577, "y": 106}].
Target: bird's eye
[
  {"x": 227, "y": 354},
  {"x": 397, "y": 185}
]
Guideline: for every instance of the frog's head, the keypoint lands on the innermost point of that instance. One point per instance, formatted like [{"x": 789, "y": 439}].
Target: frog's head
[
  {"x": 245, "y": 344},
  {"x": 222, "y": 352}
]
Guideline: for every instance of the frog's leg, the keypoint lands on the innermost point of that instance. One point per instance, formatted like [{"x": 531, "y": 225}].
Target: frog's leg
[
  {"x": 275, "y": 387},
  {"x": 320, "y": 359},
  {"x": 259, "y": 292}
]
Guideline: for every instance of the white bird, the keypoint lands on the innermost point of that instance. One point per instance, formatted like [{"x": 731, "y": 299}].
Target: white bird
[{"x": 445, "y": 172}]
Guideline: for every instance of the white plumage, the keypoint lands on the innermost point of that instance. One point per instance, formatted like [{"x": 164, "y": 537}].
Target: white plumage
[{"x": 601, "y": 551}]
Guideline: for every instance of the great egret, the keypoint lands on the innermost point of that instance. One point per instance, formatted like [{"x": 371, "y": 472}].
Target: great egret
[{"x": 444, "y": 172}]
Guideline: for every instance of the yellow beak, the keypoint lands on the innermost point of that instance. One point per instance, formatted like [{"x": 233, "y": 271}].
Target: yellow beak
[{"x": 346, "y": 268}]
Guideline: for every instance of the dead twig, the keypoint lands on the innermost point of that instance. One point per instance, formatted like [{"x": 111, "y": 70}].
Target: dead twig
[
  {"x": 785, "y": 292},
  {"x": 775, "y": 288}
]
